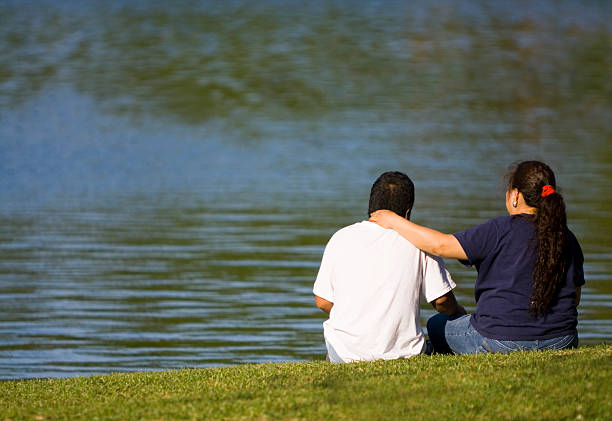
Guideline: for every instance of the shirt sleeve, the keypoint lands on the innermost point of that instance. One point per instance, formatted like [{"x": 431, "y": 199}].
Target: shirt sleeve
[
  {"x": 323, "y": 286},
  {"x": 577, "y": 265},
  {"x": 478, "y": 241},
  {"x": 436, "y": 279}
]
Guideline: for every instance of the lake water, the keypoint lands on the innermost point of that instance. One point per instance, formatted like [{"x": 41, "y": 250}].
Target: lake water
[{"x": 170, "y": 173}]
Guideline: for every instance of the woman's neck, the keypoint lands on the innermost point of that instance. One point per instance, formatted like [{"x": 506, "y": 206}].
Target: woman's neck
[{"x": 523, "y": 209}]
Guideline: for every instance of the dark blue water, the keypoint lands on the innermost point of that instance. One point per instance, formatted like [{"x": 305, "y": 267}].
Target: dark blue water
[{"x": 170, "y": 174}]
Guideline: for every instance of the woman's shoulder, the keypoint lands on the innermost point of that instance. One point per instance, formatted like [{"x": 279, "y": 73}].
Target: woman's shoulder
[
  {"x": 498, "y": 228},
  {"x": 507, "y": 222},
  {"x": 515, "y": 226}
]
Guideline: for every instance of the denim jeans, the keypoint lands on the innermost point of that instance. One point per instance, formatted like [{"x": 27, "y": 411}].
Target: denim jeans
[{"x": 456, "y": 335}]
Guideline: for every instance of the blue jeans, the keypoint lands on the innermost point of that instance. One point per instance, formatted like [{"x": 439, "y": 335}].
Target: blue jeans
[{"x": 455, "y": 334}]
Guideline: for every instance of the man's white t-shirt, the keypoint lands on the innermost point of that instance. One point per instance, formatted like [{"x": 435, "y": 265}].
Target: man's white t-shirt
[{"x": 376, "y": 278}]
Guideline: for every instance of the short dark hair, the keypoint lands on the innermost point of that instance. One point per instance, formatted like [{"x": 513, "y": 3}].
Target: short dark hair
[{"x": 394, "y": 191}]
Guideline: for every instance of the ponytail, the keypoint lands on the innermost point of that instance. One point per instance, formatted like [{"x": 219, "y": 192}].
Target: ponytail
[
  {"x": 536, "y": 181},
  {"x": 551, "y": 237}
]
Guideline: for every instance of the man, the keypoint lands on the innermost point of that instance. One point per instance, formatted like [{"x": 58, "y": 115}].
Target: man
[{"x": 371, "y": 280}]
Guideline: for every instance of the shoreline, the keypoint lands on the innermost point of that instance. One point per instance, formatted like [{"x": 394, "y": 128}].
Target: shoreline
[{"x": 567, "y": 384}]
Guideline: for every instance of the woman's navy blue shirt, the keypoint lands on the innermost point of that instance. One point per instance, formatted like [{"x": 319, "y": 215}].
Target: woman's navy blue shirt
[{"x": 504, "y": 253}]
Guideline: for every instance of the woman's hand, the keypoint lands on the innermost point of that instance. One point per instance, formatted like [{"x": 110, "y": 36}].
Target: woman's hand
[{"x": 385, "y": 218}]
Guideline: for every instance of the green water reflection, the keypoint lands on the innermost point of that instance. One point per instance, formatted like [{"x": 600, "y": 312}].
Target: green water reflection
[{"x": 210, "y": 60}]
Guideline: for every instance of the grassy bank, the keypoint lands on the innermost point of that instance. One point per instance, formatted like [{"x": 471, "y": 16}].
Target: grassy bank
[{"x": 538, "y": 385}]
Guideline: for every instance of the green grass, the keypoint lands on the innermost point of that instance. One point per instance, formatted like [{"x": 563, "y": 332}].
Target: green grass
[{"x": 551, "y": 385}]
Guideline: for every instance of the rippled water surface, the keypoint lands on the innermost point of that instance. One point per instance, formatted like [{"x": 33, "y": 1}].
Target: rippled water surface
[{"x": 170, "y": 174}]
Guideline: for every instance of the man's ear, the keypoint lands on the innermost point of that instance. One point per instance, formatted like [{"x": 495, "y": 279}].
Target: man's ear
[{"x": 407, "y": 216}]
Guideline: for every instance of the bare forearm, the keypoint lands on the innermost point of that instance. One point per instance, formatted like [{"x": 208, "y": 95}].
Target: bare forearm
[
  {"x": 323, "y": 304},
  {"x": 429, "y": 240},
  {"x": 457, "y": 309},
  {"x": 447, "y": 304},
  {"x": 426, "y": 239}
]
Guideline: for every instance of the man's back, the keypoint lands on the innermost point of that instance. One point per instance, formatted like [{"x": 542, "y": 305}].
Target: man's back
[{"x": 375, "y": 279}]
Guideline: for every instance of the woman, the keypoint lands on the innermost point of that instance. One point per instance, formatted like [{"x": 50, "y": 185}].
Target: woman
[{"x": 529, "y": 271}]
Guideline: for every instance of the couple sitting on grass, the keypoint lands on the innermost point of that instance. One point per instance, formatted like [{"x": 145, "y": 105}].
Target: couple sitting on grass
[{"x": 373, "y": 274}]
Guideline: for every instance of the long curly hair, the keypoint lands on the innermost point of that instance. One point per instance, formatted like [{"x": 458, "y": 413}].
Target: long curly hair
[{"x": 530, "y": 178}]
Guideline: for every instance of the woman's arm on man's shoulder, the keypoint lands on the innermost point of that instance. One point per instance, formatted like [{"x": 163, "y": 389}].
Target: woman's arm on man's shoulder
[{"x": 426, "y": 239}]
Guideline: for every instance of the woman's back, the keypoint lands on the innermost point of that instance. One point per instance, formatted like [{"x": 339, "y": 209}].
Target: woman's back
[{"x": 504, "y": 252}]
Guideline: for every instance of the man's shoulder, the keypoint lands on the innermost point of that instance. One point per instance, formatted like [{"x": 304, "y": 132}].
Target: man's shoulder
[
  {"x": 365, "y": 231},
  {"x": 363, "y": 228},
  {"x": 355, "y": 227},
  {"x": 349, "y": 231}
]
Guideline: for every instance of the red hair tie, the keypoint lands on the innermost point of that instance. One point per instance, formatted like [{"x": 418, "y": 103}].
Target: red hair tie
[{"x": 547, "y": 190}]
